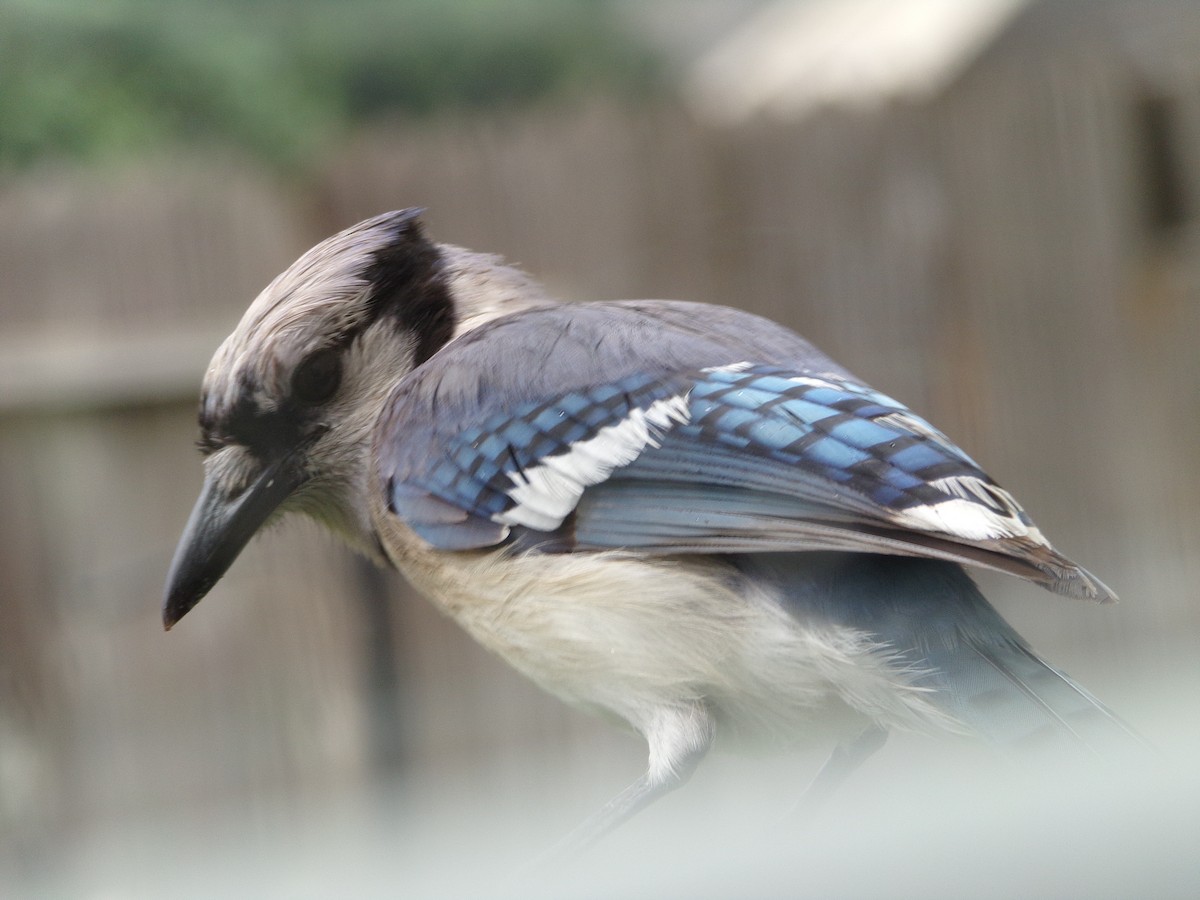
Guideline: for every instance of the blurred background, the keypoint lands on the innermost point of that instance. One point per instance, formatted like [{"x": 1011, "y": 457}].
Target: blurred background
[{"x": 987, "y": 208}]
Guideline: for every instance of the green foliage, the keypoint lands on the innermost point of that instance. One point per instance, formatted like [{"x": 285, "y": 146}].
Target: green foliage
[{"x": 282, "y": 79}]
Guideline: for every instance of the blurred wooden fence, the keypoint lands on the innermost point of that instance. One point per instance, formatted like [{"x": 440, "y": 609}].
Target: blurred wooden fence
[{"x": 988, "y": 257}]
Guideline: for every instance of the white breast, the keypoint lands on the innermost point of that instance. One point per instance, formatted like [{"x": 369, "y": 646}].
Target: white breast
[{"x": 633, "y": 635}]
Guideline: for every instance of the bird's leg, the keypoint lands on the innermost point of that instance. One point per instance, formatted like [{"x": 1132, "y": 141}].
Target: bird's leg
[
  {"x": 847, "y": 756},
  {"x": 679, "y": 737}
]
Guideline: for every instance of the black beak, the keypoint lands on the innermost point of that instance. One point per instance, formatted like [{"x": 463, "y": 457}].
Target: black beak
[{"x": 219, "y": 527}]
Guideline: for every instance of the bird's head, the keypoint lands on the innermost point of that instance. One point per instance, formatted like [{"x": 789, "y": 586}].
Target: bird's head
[{"x": 291, "y": 397}]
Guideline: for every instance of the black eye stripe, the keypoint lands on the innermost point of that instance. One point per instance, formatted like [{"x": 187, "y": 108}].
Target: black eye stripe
[
  {"x": 266, "y": 433},
  {"x": 263, "y": 434}
]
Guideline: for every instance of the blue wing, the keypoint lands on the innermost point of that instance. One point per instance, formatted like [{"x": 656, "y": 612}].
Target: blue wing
[{"x": 737, "y": 456}]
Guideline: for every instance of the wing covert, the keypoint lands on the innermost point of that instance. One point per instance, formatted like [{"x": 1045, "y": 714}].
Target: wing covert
[{"x": 736, "y": 456}]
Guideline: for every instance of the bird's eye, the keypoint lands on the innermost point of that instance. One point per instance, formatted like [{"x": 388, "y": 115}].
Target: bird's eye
[{"x": 318, "y": 377}]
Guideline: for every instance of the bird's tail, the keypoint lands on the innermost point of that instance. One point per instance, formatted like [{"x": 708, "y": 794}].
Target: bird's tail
[
  {"x": 1012, "y": 698},
  {"x": 975, "y": 665},
  {"x": 985, "y": 675}
]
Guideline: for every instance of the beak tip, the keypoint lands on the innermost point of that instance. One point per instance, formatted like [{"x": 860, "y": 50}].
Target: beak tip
[{"x": 175, "y": 607}]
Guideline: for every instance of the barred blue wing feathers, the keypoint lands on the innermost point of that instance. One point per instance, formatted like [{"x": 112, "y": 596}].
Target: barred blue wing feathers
[
  {"x": 867, "y": 452},
  {"x": 529, "y": 465},
  {"x": 728, "y": 455}
]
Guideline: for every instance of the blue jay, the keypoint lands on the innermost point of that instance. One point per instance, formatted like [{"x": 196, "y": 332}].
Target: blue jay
[{"x": 682, "y": 516}]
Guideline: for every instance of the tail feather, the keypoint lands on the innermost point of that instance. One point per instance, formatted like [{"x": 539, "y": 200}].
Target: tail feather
[
  {"x": 932, "y": 618},
  {"x": 1010, "y": 697}
]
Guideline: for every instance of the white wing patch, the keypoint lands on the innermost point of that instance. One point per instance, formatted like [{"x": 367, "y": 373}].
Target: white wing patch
[
  {"x": 730, "y": 367},
  {"x": 910, "y": 422},
  {"x": 814, "y": 381},
  {"x": 806, "y": 380},
  {"x": 546, "y": 494},
  {"x": 975, "y": 510}
]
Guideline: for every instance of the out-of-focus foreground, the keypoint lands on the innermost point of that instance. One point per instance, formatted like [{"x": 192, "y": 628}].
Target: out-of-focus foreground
[{"x": 995, "y": 219}]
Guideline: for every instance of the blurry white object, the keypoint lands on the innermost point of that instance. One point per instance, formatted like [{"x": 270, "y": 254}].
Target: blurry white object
[{"x": 794, "y": 57}]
